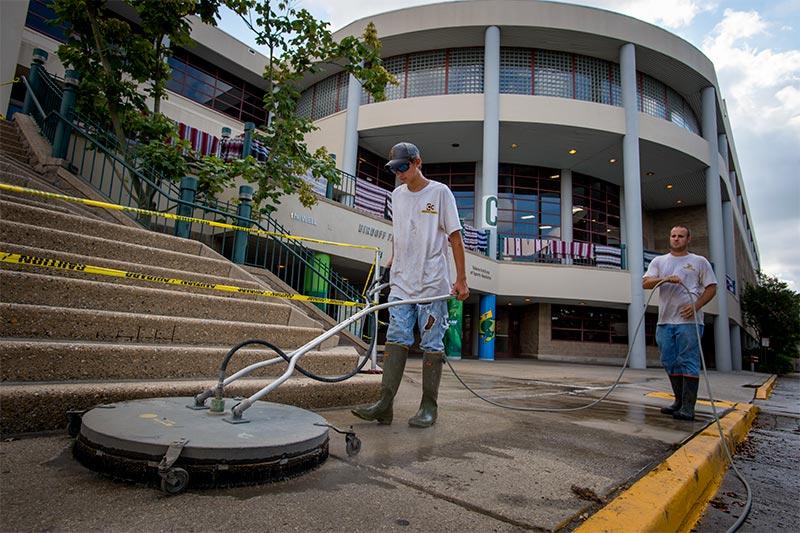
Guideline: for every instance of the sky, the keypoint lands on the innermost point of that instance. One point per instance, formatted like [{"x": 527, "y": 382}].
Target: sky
[{"x": 755, "y": 47}]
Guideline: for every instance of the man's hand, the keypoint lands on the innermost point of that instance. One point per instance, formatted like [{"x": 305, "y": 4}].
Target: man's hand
[
  {"x": 672, "y": 279},
  {"x": 460, "y": 290},
  {"x": 687, "y": 311}
]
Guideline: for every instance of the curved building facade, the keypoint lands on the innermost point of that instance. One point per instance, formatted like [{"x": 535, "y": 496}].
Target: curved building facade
[{"x": 565, "y": 132}]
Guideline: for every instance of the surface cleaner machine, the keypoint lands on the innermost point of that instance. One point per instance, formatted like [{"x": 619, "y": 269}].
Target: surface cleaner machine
[{"x": 210, "y": 441}]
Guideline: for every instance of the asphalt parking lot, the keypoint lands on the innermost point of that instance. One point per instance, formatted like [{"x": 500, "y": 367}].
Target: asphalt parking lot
[{"x": 480, "y": 468}]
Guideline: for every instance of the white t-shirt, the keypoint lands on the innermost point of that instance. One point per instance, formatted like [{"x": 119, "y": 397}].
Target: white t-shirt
[
  {"x": 421, "y": 223},
  {"x": 693, "y": 270}
]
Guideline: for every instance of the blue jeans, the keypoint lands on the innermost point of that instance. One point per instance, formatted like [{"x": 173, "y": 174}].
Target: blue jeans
[
  {"x": 431, "y": 318},
  {"x": 680, "y": 351}
]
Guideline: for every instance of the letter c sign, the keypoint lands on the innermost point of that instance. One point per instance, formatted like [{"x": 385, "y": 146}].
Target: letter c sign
[{"x": 490, "y": 211}]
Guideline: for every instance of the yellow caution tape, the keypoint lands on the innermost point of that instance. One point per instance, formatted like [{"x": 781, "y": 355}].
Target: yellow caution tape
[
  {"x": 171, "y": 216},
  {"x": 61, "y": 264}
]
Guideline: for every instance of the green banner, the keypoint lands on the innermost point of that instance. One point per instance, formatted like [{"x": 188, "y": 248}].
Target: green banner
[{"x": 452, "y": 337}]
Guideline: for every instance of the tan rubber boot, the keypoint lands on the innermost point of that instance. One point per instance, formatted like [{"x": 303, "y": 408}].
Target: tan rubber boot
[
  {"x": 431, "y": 377},
  {"x": 394, "y": 362}
]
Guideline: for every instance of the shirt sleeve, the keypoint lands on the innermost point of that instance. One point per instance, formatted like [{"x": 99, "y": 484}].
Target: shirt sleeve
[
  {"x": 449, "y": 220},
  {"x": 652, "y": 269},
  {"x": 707, "y": 276}
]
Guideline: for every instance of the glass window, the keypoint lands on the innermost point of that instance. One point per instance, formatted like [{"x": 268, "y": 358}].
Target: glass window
[
  {"x": 40, "y": 13},
  {"x": 595, "y": 324},
  {"x": 595, "y": 210},
  {"x": 515, "y": 70},
  {"x": 426, "y": 73},
  {"x": 465, "y": 71},
  {"x": 525, "y": 206},
  {"x": 553, "y": 74}
]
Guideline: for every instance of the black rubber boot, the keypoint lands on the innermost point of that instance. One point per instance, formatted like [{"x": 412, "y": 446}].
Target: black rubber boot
[
  {"x": 431, "y": 377},
  {"x": 677, "y": 390},
  {"x": 394, "y": 362},
  {"x": 689, "y": 397}
]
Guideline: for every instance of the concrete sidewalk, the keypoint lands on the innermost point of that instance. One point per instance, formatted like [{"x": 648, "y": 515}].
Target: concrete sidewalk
[
  {"x": 768, "y": 461},
  {"x": 480, "y": 468}
]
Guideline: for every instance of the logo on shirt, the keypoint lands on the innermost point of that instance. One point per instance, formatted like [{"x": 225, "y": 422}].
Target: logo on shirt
[
  {"x": 688, "y": 266},
  {"x": 430, "y": 209}
]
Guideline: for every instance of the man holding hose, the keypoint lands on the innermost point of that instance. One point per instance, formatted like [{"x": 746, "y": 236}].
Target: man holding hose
[
  {"x": 677, "y": 312},
  {"x": 425, "y": 218}
]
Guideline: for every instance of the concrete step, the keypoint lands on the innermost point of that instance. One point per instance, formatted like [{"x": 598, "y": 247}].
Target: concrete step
[
  {"x": 15, "y": 151},
  {"x": 26, "y": 408},
  {"x": 20, "y": 179},
  {"x": 43, "y": 289},
  {"x": 128, "y": 267},
  {"x": 48, "y": 361},
  {"x": 65, "y": 241},
  {"x": 25, "y": 321},
  {"x": 46, "y": 218}
]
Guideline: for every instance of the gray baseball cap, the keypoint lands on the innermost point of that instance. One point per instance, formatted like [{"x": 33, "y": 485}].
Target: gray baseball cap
[{"x": 401, "y": 152}]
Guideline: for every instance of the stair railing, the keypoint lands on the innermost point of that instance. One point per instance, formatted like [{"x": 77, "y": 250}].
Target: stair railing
[{"x": 95, "y": 156}]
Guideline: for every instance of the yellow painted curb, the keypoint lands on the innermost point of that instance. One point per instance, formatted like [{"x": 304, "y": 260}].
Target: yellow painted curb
[
  {"x": 672, "y": 497},
  {"x": 668, "y": 396},
  {"x": 765, "y": 390}
]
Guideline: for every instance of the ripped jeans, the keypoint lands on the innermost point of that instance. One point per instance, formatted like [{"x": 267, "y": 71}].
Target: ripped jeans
[{"x": 431, "y": 318}]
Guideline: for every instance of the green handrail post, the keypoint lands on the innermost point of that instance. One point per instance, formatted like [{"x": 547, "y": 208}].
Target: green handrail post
[
  {"x": 244, "y": 212},
  {"x": 226, "y": 132},
  {"x": 188, "y": 193},
  {"x": 247, "y": 145},
  {"x": 64, "y": 128},
  {"x": 623, "y": 255},
  {"x": 37, "y": 64}
]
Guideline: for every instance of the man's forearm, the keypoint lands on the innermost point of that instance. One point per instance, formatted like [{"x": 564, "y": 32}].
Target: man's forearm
[
  {"x": 705, "y": 297},
  {"x": 457, "y": 243}
]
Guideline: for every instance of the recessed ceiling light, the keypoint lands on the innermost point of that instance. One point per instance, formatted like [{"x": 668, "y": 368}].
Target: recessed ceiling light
[
  {"x": 509, "y": 303},
  {"x": 546, "y": 226},
  {"x": 281, "y": 266},
  {"x": 612, "y": 160},
  {"x": 527, "y": 217},
  {"x": 572, "y": 151},
  {"x": 576, "y": 209},
  {"x": 669, "y": 185},
  {"x": 527, "y": 299},
  {"x": 514, "y": 146},
  {"x": 650, "y": 173},
  {"x": 679, "y": 202},
  {"x": 582, "y": 303},
  {"x": 555, "y": 176}
]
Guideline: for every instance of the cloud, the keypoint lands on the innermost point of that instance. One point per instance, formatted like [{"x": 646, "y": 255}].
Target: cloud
[
  {"x": 761, "y": 86},
  {"x": 675, "y": 14}
]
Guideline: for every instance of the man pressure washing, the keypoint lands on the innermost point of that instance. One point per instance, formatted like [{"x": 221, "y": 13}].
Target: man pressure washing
[
  {"x": 424, "y": 218},
  {"x": 677, "y": 311}
]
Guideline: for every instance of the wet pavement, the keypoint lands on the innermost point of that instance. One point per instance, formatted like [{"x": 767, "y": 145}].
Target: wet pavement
[
  {"x": 480, "y": 468},
  {"x": 769, "y": 461}
]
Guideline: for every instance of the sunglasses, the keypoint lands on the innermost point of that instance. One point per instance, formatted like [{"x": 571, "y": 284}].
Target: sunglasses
[{"x": 399, "y": 167}]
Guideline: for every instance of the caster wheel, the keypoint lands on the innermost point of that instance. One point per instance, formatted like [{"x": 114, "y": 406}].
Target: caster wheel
[
  {"x": 353, "y": 445},
  {"x": 73, "y": 424},
  {"x": 175, "y": 481}
]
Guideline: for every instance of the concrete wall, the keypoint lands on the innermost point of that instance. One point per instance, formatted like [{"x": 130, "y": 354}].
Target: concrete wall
[
  {"x": 13, "y": 14},
  {"x": 694, "y": 217}
]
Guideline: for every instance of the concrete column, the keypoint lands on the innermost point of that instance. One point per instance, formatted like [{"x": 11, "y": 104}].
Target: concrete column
[
  {"x": 633, "y": 203},
  {"x": 623, "y": 229},
  {"x": 13, "y": 15},
  {"x": 716, "y": 239},
  {"x": 736, "y": 347},
  {"x": 486, "y": 326},
  {"x": 491, "y": 136},
  {"x": 350, "y": 155},
  {"x": 566, "y": 205},
  {"x": 722, "y": 142}
]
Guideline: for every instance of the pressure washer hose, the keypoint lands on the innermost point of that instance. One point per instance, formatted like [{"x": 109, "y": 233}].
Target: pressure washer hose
[{"x": 728, "y": 454}]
